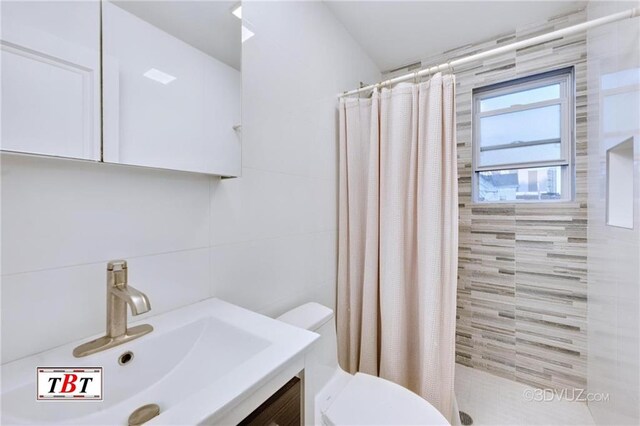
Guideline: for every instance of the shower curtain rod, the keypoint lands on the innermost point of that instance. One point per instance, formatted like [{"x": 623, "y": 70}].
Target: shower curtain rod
[{"x": 627, "y": 14}]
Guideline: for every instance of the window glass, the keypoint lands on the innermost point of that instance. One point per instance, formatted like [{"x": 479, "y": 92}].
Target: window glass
[
  {"x": 523, "y": 135},
  {"x": 524, "y": 97},
  {"x": 542, "y": 183},
  {"x": 523, "y": 126},
  {"x": 522, "y": 154}
]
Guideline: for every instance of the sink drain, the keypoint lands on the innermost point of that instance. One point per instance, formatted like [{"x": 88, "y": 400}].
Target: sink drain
[
  {"x": 465, "y": 419},
  {"x": 144, "y": 414},
  {"x": 125, "y": 358}
]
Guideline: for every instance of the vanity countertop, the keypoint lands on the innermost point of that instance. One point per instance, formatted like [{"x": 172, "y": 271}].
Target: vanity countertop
[{"x": 199, "y": 363}]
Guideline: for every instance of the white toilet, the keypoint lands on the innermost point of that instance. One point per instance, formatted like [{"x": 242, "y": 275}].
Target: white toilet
[{"x": 334, "y": 397}]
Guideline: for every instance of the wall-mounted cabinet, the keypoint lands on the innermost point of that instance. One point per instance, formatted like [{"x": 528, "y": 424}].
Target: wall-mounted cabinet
[
  {"x": 51, "y": 78},
  {"x": 167, "y": 104},
  {"x": 143, "y": 83}
]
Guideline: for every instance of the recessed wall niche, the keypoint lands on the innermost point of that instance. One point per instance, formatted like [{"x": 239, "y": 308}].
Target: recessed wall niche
[{"x": 620, "y": 185}]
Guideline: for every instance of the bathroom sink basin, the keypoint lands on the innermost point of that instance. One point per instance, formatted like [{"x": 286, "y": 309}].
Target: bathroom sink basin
[{"x": 198, "y": 361}]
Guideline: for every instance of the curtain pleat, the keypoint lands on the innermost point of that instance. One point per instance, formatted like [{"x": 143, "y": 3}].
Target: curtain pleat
[
  {"x": 398, "y": 237},
  {"x": 358, "y": 240}
]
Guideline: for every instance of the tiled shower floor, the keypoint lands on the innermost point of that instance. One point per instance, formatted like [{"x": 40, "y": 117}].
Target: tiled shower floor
[{"x": 493, "y": 400}]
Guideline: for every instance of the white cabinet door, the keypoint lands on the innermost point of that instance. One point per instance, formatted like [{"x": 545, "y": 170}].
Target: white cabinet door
[
  {"x": 51, "y": 78},
  {"x": 166, "y": 104}
]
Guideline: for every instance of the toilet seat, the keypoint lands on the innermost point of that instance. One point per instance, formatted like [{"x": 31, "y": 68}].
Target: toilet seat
[{"x": 369, "y": 400}]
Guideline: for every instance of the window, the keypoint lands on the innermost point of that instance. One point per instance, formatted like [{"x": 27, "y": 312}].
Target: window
[{"x": 523, "y": 139}]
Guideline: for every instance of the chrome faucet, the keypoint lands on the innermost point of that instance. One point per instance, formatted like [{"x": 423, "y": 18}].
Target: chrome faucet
[{"x": 119, "y": 295}]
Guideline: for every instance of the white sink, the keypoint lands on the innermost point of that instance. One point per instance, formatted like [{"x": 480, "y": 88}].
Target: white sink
[{"x": 199, "y": 360}]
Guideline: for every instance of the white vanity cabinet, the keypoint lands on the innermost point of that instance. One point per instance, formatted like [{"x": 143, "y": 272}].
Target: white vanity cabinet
[
  {"x": 51, "y": 78},
  {"x": 166, "y": 103}
]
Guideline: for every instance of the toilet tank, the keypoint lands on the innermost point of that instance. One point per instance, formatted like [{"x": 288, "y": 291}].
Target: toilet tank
[
  {"x": 310, "y": 316},
  {"x": 321, "y": 363}
]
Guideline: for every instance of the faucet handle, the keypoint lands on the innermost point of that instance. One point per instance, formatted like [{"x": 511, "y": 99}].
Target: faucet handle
[
  {"x": 117, "y": 274},
  {"x": 116, "y": 265}
]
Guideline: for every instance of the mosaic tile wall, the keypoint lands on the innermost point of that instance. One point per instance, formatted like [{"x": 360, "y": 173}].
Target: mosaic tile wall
[{"x": 522, "y": 288}]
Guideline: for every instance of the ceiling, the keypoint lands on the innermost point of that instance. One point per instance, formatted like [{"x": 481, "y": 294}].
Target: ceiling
[
  {"x": 398, "y": 33},
  {"x": 206, "y": 25}
]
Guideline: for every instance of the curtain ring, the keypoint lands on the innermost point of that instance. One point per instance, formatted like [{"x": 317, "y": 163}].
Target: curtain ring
[
  {"x": 360, "y": 92},
  {"x": 450, "y": 67}
]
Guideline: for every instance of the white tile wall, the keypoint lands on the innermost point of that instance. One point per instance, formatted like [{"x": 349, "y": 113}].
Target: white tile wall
[
  {"x": 266, "y": 241},
  {"x": 614, "y": 253},
  {"x": 277, "y": 247},
  {"x": 62, "y": 220},
  {"x": 64, "y": 213}
]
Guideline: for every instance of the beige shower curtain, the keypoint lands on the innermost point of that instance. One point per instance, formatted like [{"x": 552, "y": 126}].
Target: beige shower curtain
[{"x": 398, "y": 237}]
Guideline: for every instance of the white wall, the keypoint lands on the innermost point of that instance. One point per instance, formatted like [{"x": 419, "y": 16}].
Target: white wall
[
  {"x": 62, "y": 220},
  {"x": 266, "y": 241},
  {"x": 274, "y": 234},
  {"x": 614, "y": 252}
]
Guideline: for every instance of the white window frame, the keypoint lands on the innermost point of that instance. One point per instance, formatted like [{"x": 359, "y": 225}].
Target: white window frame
[{"x": 564, "y": 77}]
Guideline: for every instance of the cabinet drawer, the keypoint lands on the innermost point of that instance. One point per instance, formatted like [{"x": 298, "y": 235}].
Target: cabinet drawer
[{"x": 281, "y": 409}]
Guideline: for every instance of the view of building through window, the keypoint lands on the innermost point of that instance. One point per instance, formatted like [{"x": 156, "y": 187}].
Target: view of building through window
[{"x": 520, "y": 184}]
